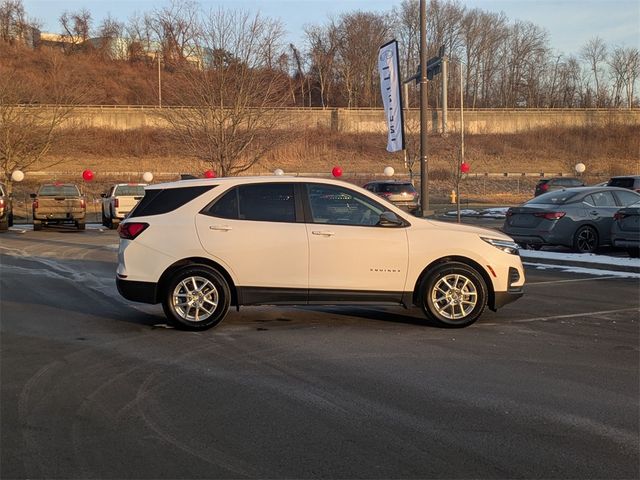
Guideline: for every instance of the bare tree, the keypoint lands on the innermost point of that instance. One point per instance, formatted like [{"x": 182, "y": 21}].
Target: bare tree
[
  {"x": 625, "y": 70},
  {"x": 77, "y": 27},
  {"x": 27, "y": 129},
  {"x": 175, "y": 28},
  {"x": 323, "y": 47},
  {"x": 594, "y": 52},
  {"x": 234, "y": 97}
]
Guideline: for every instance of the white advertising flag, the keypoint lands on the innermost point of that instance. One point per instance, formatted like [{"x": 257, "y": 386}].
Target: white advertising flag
[{"x": 389, "y": 69}]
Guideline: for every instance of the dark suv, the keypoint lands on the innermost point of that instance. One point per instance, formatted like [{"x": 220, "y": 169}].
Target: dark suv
[
  {"x": 548, "y": 184},
  {"x": 401, "y": 194},
  {"x": 632, "y": 182},
  {"x": 6, "y": 209}
]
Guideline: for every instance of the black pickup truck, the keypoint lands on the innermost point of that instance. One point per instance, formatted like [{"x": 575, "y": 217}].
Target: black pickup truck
[{"x": 58, "y": 203}]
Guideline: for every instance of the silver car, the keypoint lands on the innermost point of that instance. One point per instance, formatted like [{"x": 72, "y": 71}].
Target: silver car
[{"x": 579, "y": 218}]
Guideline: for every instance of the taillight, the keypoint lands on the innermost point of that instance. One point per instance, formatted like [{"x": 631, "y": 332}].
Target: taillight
[
  {"x": 385, "y": 194},
  {"x": 35, "y": 204},
  {"x": 618, "y": 216},
  {"x": 544, "y": 187},
  {"x": 1, "y": 202},
  {"x": 83, "y": 204},
  {"x": 550, "y": 215},
  {"x": 116, "y": 203},
  {"x": 131, "y": 230}
]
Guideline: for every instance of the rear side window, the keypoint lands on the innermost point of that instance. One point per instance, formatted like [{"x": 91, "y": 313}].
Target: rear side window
[
  {"x": 267, "y": 202},
  {"x": 158, "y": 201},
  {"x": 601, "y": 199}
]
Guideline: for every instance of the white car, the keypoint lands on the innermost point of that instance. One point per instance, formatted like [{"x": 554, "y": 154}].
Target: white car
[{"x": 200, "y": 246}]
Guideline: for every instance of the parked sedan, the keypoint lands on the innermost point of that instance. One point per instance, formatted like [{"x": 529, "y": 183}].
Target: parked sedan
[
  {"x": 579, "y": 218},
  {"x": 625, "y": 230}
]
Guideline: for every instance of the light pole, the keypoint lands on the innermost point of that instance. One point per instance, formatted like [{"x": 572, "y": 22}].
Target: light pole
[
  {"x": 461, "y": 140},
  {"x": 424, "y": 172}
]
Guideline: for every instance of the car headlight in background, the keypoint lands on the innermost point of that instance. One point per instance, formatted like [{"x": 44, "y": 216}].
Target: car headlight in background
[{"x": 504, "y": 245}]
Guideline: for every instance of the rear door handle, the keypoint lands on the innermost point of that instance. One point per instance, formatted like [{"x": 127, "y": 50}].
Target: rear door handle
[
  {"x": 323, "y": 233},
  {"x": 223, "y": 228}
]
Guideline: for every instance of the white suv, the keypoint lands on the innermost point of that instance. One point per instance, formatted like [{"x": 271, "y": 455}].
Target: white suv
[{"x": 200, "y": 246}]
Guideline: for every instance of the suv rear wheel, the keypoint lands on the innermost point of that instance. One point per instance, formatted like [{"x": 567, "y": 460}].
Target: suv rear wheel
[
  {"x": 196, "y": 298},
  {"x": 453, "y": 294}
]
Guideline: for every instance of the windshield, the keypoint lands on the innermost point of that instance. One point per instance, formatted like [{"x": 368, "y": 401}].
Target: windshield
[
  {"x": 559, "y": 197},
  {"x": 59, "y": 191}
]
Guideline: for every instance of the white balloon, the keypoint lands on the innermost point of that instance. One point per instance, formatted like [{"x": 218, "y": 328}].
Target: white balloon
[
  {"x": 389, "y": 171},
  {"x": 580, "y": 168},
  {"x": 17, "y": 175},
  {"x": 147, "y": 176},
  {"x": 278, "y": 171}
]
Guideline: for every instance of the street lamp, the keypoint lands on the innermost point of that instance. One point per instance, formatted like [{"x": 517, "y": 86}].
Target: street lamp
[{"x": 159, "y": 80}]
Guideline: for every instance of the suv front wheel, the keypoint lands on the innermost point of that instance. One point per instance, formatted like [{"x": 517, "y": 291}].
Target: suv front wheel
[
  {"x": 196, "y": 298},
  {"x": 453, "y": 294}
]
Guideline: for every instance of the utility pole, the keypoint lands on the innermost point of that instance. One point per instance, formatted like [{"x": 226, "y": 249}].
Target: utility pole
[
  {"x": 159, "y": 81},
  {"x": 445, "y": 86},
  {"x": 424, "y": 172}
]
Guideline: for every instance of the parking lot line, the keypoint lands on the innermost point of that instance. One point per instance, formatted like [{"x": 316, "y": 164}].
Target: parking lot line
[
  {"x": 572, "y": 280},
  {"x": 575, "y": 315}
]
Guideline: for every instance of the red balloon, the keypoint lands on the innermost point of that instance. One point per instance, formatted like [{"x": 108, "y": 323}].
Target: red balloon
[
  {"x": 465, "y": 167},
  {"x": 209, "y": 174},
  {"x": 336, "y": 172},
  {"x": 87, "y": 175}
]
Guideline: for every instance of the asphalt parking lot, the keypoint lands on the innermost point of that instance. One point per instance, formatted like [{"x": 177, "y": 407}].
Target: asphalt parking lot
[{"x": 94, "y": 386}]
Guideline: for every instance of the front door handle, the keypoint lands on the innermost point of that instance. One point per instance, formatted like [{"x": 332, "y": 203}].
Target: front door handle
[
  {"x": 323, "y": 233},
  {"x": 223, "y": 228}
]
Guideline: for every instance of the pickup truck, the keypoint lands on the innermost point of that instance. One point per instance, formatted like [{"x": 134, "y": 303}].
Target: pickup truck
[
  {"x": 58, "y": 203},
  {"x": 119, "y": 201}
]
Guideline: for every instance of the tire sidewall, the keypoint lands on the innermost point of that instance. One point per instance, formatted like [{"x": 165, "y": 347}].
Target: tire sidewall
[
  {"x": 432, "y": 278},
  {"x": 214, "y": 277}
]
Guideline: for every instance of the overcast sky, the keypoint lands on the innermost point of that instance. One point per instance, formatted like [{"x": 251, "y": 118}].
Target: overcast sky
[{"x": 570, "y": 23}]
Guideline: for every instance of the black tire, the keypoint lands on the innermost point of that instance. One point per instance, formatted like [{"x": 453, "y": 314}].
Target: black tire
[
  {"x": 457, "y": 284},
  {"x": 11, "y": 219},
  {"x": 37, "y": 226},
  {"x": 585, "y": 240},
  {"x": 633, "y": 252},
  {"x": 203, "y": 289},
  {"x": 81, "y": 225}
]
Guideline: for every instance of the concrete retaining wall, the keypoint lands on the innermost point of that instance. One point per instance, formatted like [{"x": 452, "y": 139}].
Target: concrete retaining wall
[{"x": 372, "y": 121}]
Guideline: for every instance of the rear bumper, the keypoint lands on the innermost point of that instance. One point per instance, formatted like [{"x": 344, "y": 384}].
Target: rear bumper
[{"x": 143, "y": 292}]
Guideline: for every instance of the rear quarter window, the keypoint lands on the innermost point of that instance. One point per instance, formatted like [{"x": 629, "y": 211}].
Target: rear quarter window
[{"x": 159, "y": 201}]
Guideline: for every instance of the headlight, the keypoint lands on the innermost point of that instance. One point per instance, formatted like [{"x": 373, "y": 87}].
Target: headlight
[{"x": 505, "y": 245}]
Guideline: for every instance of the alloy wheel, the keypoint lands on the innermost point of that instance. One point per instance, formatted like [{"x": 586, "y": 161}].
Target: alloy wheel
[{"x": 454, "y": 296}]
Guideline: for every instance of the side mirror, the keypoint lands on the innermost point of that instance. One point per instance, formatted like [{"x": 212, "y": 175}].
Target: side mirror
[
  {"x": 32, "y": 195},
  {"x": 390, "y": 219}
]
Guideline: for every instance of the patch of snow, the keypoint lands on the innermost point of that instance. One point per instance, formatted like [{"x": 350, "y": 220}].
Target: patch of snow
[
  {"x": 581, "y": 258},
  {"x": 583, "y": 270}
]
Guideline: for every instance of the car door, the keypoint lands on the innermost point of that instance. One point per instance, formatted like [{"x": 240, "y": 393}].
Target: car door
[
  {"x": 352, "y": 257},
  {"x": 254, "y": 231},
  {"x": 600, "y": 208}
]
